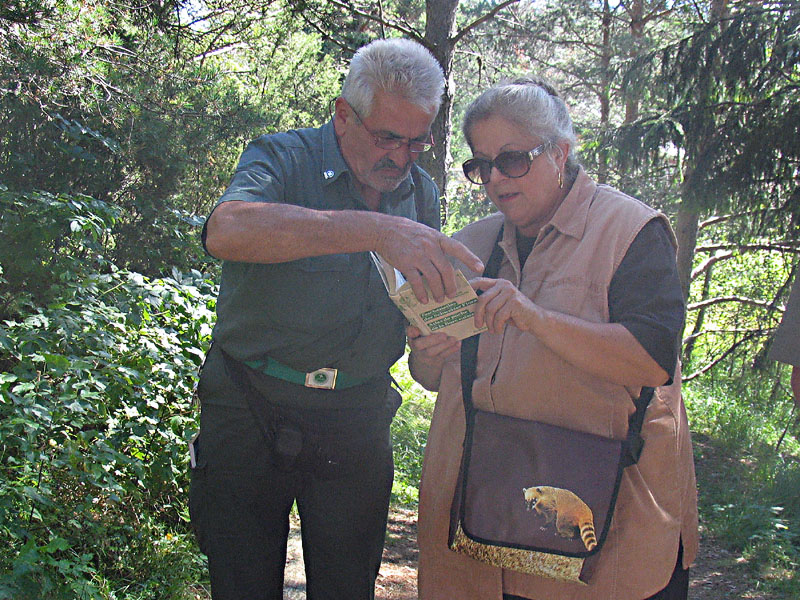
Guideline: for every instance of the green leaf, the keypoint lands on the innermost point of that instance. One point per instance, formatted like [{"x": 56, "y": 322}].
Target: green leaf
[{"x": 57, "y": 360}]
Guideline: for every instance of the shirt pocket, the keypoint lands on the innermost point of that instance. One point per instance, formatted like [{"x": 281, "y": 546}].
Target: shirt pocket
[
  {"x": 576, "y": 296},
  {"x": 317, "y": 294},
  {"x": 324, "y": 263}
]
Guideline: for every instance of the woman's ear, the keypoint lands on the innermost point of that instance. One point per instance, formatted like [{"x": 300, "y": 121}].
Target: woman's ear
[{"x": 562, "y": 154}]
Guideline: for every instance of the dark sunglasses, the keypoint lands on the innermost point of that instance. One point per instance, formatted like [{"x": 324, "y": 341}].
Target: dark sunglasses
[{"x": 513, "y": 163}]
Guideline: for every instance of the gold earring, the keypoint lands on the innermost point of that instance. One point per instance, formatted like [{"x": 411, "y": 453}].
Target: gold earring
[{"x": 560, "y": 179}]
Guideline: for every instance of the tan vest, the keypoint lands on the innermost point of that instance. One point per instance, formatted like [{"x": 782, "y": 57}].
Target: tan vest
[{"x": 569, "y": 270}]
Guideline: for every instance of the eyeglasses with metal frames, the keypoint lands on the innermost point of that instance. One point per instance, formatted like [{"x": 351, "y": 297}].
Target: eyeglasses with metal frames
[
  {"x": 392, "y": 142},
  {"x": 512, "y": 163}
]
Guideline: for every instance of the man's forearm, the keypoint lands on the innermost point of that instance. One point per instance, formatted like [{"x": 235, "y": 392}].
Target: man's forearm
[
  {"x": 259, "y": 232},
  {"x": 272, "y": 233}
]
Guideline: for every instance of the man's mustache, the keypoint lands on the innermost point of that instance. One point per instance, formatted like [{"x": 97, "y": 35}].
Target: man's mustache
[{"x": 388, "y": 163}]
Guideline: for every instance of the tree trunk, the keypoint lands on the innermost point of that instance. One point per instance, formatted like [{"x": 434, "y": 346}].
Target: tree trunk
[
  {"x": 605, "y": 90},
  {"x": 688, "y": 217},
  {"x": 637, "y": 33},
  {"x": 439, "y": 29},
  {"x": 686, "y": 232},
  {"x": 701, "y": 314}
]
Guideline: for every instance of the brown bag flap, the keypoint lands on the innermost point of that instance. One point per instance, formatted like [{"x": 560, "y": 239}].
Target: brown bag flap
[{"x": 536, "y": 486}]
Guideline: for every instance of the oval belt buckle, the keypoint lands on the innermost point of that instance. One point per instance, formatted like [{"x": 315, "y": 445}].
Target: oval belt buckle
[{"x": 324, "y": 379}]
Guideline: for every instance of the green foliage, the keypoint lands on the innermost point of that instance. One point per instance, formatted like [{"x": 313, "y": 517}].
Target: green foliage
[
  {"x": 749, "y": 492},
  {"x": 95, "y": 412},
  {"x": 48, "y": 239},
  {"x": 130, "y": 105},
  {"x": 735, "y": 305},
  {"x": 467, "y": 203},
  {"x": 409, "y": 435},
  {"x": 724, "y": 108}
]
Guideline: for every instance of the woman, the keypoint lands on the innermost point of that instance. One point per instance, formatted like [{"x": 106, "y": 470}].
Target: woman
[{"x": 586, "y": 310}]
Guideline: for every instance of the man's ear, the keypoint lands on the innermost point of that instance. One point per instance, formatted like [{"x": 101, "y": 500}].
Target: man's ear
[{"x": 342, "y": 114}]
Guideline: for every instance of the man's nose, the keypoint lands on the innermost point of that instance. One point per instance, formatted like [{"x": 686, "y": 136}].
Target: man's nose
[{"x": 403, "y": 155}]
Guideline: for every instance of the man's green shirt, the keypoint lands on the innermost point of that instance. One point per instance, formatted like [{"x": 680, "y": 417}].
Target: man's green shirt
[{"x": 324, "y": 311}]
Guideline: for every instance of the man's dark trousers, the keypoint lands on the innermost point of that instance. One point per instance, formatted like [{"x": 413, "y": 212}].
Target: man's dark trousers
[{"x": 241, "y": 495}]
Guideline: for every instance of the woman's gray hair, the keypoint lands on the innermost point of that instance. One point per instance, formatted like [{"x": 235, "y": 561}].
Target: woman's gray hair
[
  {"x": 532, "y": 104},
  {"x": 396, "y": 66}
]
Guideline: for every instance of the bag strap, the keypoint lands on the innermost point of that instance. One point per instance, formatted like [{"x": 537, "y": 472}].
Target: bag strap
[
  {"x": 634, "y": 442},
  {"x": 469, "y": 346},
  {"x": 469, "y": 357}
]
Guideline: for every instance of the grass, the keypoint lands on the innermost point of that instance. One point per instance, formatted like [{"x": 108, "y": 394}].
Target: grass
[{"x": 748, "y": 475}]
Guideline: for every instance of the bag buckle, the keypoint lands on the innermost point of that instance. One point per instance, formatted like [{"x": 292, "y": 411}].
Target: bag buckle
[{"x": 324, "y": 379}]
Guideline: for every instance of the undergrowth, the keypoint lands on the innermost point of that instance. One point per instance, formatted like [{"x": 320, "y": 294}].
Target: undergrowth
[{"x": 747, "y": 454}]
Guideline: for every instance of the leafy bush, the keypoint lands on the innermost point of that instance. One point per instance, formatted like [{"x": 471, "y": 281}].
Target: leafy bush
[
  {"x": 95, "y": 412},
  {"x": 48, "y": 239},
  {"x": 409, "y": 435},
  {"x": 466, "y": 204}
]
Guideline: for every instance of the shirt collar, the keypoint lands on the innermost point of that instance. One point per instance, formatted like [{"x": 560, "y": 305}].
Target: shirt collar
[
  {"x": 334, "y": 165},
  {"x": 570, "y": 218}
]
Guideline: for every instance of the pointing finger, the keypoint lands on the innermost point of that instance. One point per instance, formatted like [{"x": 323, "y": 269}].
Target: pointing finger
[
  {"x": 458, "y": 250},
  {"x": 415, "y": 281},
  {"x": 435, "y": 280}
]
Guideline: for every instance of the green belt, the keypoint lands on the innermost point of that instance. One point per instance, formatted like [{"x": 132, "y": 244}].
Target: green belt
[{"x": 325, "y": 378}]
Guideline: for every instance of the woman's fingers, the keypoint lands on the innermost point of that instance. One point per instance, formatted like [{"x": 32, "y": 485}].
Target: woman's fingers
[
  {"x": 434, "y": 346},
  {"x": 499, "y": 302}
]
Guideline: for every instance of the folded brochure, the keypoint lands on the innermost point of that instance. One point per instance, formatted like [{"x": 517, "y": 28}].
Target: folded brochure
[{"x": 453, "y": 316}]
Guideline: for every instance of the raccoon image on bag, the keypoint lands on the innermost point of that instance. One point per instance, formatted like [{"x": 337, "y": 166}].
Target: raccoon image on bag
[{"x": 571, "y": 514}]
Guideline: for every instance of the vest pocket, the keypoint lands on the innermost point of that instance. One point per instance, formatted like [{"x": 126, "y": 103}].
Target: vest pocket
[{"x": 576, "y": 296}]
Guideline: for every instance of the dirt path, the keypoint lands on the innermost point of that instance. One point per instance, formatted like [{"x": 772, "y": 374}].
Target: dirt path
[
  {"x": 398, "y": 577},
  {"x": 716, "y": 575}
]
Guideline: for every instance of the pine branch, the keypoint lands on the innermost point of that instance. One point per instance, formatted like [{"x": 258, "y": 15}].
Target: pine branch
[
  {"x": 748, "y": 331},
  {"x": 709, "y": 262},
  {"x": 789, "y": 246},
  {"x": 719, "y": 359},
  {"x": 482, "y": 19},
  {"x": 401, "y": 26},
  {"x": 716, "y": 220},
  {"x": 326, "y": 34},
  {"x": 723, "y": 299}
]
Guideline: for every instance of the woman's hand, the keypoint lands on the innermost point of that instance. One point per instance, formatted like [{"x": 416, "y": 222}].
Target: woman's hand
[
  {"x": 501, "y": 303},
  {"x": 431, "y": 348},
  {"x": 428, "y": 354}
]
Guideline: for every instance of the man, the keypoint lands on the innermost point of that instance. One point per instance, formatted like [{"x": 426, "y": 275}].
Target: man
[
  {"x": 786, "y": 345},
  {"x": 295, "y": 395}
]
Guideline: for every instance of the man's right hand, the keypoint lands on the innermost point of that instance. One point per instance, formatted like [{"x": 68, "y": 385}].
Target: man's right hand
[{"x": 420, "y": 253}]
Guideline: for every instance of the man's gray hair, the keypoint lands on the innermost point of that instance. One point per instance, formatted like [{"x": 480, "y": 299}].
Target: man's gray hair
[
  {"x": 396, "y": 66},
  {"x": 533, "y": 105}
]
